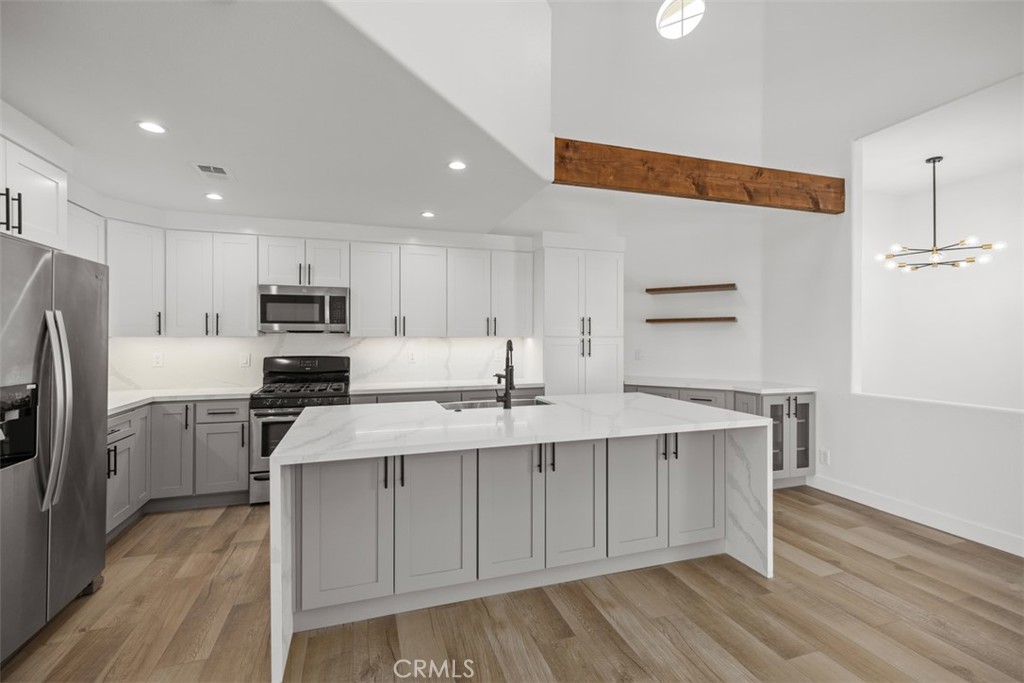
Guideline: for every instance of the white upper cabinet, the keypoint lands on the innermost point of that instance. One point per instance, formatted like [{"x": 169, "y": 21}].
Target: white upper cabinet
[
  {"x": 302, "y": 262},
  {"x": 234, "y": 285},
  {"x": 87, "y": 235},
  {"x": 424, "y": 284},
  {"x": 37, "y": 197},
  {"x": 374, "y": 297},
  {"x": 511, "y": 294},
  {"x": 604, "y": 365},
  {"x": 135, "y": 255},
  {"x": 327, "y": 263},
  {"x": 282, "y": 260},
  {"x": 564, "y": 283},
  {"x": 603, "y": 293},
  {"x": 490, "y": 293},
  {"x": 469, "y": 293},
  {"x": 189, "y": 284}
]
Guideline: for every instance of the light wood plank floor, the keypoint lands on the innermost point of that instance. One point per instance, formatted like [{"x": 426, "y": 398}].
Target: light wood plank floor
[{"x": 858, "y": 595}]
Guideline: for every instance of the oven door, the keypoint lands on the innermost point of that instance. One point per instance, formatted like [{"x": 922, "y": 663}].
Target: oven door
[
  {"x": 268, "y": 427},
  {"x": 303, "y": 309}
]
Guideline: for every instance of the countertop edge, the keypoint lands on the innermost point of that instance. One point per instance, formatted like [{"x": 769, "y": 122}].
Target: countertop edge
[{"x": 757, "y": 387}]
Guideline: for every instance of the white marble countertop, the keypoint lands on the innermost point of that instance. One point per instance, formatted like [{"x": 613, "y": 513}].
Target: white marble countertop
[
  {"x": 749, "y": 386},
  {"x": 331, "y": 433},
  {"x": 128, "y": 399}
]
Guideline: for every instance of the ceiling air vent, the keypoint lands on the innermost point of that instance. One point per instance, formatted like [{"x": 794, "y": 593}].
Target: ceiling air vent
[{"x": 213, "y": 172}]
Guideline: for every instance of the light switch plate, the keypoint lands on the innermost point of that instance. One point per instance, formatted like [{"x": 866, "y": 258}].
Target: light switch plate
[
  {"x": 158, "y": 359},
  {"x": 824, "y": 456},
  {"x": 244, "y": 360}
]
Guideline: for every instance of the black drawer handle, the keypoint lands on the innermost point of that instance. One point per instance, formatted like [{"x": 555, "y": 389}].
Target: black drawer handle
[
  {"x": 261, "y": 477},
  {"x": 222, "y": 412}
]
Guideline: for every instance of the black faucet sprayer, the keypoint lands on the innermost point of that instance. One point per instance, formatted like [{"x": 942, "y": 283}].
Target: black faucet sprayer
[{"x": 505, "y": 398}]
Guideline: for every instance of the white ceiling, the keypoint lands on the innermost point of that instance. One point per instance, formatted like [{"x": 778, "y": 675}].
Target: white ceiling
[
  {"x": 314, "y": 120},
  {"x": 978, "y": 134}
]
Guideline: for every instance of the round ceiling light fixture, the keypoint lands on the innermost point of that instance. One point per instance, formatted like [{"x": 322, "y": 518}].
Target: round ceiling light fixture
[
  {"x": 151, "y": 127},
  {"x": 677, "y": 18},
  {"x": 457, "y": 165},
  {"x": 427, "y": 214},
  {"x": 214, "y": 196}
]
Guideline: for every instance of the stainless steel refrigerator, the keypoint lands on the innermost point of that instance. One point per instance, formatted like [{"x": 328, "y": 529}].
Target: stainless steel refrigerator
[{"x": 53, "y": 411}]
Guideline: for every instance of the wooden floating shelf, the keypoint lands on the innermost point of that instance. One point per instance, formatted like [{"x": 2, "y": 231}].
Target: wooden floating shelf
[
  {"x": 726, "y": 287},
  {"x": 720, "y": 319}
]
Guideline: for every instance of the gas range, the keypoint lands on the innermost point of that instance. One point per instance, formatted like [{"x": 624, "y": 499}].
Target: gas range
[{"x": 300, "y": 381}]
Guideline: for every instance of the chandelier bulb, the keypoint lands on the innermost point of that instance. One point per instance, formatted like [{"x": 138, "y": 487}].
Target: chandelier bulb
[
  {"x": 971, "y": 240},
  {"x": 999, "y": 246}
]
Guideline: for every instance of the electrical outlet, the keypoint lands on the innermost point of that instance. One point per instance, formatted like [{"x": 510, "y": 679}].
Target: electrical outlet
[
  {"x": 158, "y": 359},
  {"x": 244, "y": 360},
  {"x": 824, "y": 456},
  {"x": 412, "y": 358},
  {"x": 638, "y": 355}
]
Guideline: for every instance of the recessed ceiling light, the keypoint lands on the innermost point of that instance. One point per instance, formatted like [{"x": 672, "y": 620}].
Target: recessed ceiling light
[
  {"x": 457, "y": 165},
  {"x": 151, "y": 127},
  {"x": 214, "y": 196},
  {"x": 427, "y": 214}
]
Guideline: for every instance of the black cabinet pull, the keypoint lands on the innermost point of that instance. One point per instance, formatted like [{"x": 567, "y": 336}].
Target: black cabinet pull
[
  {"x": 675, "y": 451},
  {"x": 216, "y": 325},
  {"x": 18, "y": 226},
  {"x": 309, "y": 273},
  {"x": 6, "y": 222},
  {"x": 386, "y": 471},
  {"x": 488, "y": 323},
  {"x": 300, "y": 273},
  {"x": 207, "y": 324},
  {"x": 590, "y": 347},
  {"x": 583, "y": 348},
  {"x": 403, "y": 325},
  {"x": 261, "y": 477},
  {"x": 540, "y": 460},
  {"x": 402, "y": 473},
  {"x": 495, "y": 326},
  {"x": 590, "y": 325},
  {"x": 186, "y": 416},
  {"x": 109, "y": 451},
  {"x": 665, "y": 447},
  {"x": 583, "y": 325},
  {"x": 243, "y": 434},
  {"x": 787, "y": 406},
  {"x": 115, "y": 459},
  {"x": 159, "y": 324},
  {"x": 552, "y": 457},
  {"x": 396, "y": 325}
]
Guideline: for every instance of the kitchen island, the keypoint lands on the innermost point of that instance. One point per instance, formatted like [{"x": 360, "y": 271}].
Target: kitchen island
[{"x": 380, "y": 509}]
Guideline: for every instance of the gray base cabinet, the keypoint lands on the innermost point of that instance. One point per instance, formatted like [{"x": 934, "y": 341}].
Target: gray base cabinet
[
  {"x": 222, "y": 457},
  {"x": 128, "y": 465},
  {"x": 347, "y": 533},
  {"x": 707, "y": 397},
  {"x": 511, "y": 510},
  {"x": 665, "y": 490},
  {"x": 173, "y": 449},
  {"x": 576, "y": 502},
  {"x": 119, "y": 499},
  {"x": 792, "y": 416},
  {"x": 435, "y": 520}
]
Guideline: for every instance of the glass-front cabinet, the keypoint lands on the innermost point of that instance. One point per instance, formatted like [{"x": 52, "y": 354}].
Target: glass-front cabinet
[{"x": 792, "y": 434}]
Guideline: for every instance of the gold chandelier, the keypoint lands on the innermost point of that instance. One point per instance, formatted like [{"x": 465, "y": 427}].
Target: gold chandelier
[{"x": 969, "y": 250}]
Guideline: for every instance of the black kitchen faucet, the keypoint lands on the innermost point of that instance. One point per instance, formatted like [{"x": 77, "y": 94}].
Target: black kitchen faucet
[{"x": 509, "y": 377}]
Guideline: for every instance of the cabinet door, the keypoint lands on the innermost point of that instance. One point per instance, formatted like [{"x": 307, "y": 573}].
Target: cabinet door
[
  {"x": 327, "y": 263},
  {"x": 563, "y": 365},
  {"x": 775, "y": 408},
  {"x": 604, "y": 293},
  {"x": 87, "y": 235},
  {"x": 511, "y": 510},
  {"x": 44, "y": 197},
  {"x": 604, "y": 370},
  {"x": 282, "y": 260},
  {"x": 801, "y": 435},
  {"x": 173, "y": 446},
  {"x": 564, "y": 276},
  {"x": 637, "y": 494},
  {"x": 696, "y": 496},
  {"x": 234, "y": 286},
  {"x": 424, "y": 291},
  {"x": 347, "y": 532},
  {"x": 469, "y": 293},
  {"x": 704, "y": 397},
  {"x": 666, "y": 392},
  {"x": 575, "y": 522},
  {"x": 435, "y": 520},
  {"x": 119, "y": 500},
  {"x": 135, "y": 255},
  {"x": 139, "y": 467},
  {"x": 746, "y": 403},
  {"x": 374, "y": 298},
  {"x": 511, "y": 294},
  {"x": 189, "y": 284},
  {"x": 222, "y": 457}
]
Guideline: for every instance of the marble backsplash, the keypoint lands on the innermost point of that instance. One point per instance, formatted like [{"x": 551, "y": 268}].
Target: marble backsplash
[{"x": 215, "y": 362}]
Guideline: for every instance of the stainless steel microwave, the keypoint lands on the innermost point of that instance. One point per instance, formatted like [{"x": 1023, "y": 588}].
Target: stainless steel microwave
[{"x": 287, "y": 308}]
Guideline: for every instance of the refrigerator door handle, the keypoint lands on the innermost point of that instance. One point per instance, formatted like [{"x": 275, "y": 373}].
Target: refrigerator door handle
[
  {"x": 69, "y": 405},
  {"x": 53, "y": 339}
]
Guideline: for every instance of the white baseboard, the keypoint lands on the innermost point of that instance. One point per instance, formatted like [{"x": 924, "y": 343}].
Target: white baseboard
[{"x": 951, "y": 524}]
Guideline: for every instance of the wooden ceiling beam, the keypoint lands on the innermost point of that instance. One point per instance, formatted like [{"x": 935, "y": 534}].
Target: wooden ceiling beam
[{"x": 607, "y": 167}]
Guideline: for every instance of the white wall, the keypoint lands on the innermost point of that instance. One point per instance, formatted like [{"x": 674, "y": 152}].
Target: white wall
[
  {"x": 191, "y": 362},
  {"x": 945, "y": 334}
]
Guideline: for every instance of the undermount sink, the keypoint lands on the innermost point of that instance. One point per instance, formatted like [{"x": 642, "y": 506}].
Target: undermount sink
[{"x": 458, "y": 406}]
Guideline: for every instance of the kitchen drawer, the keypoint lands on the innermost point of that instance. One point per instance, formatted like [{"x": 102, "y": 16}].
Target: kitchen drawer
[
  {"x": 667, "y": 392},
  {"x": 718, "y": 399},
  {"x": 222, "y": 411},
  {"x": 124, "y": 425},
  {"x": 487, "y": 394},
  {"x": 439, "y": 396}
]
